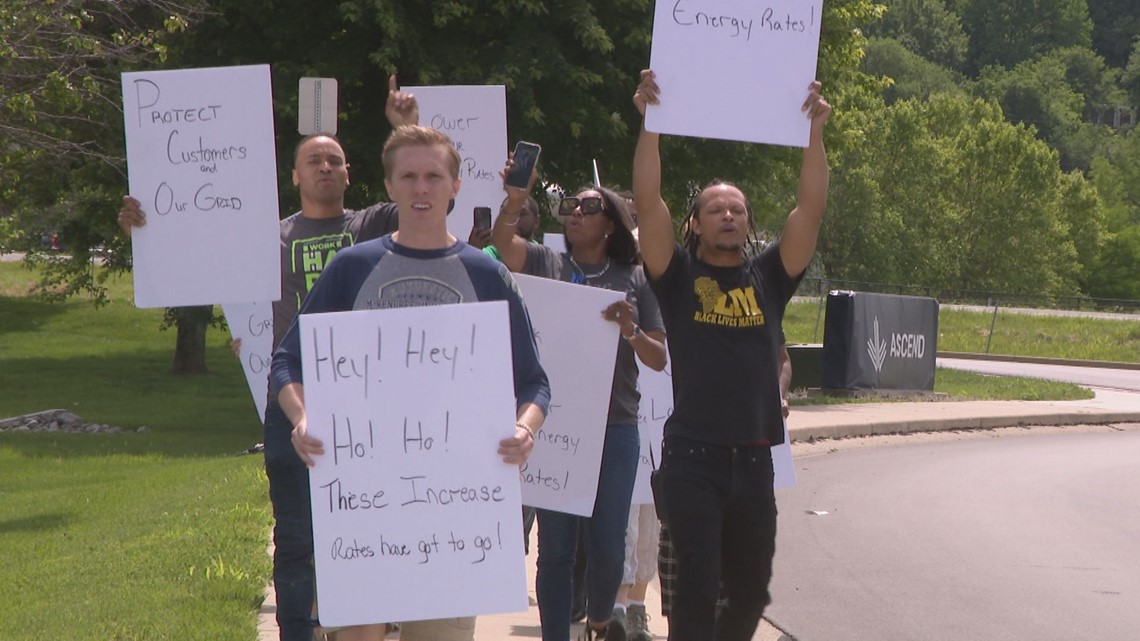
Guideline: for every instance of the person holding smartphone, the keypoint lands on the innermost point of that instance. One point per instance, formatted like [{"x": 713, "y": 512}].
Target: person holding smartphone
[{"x": 600, "y": 252}]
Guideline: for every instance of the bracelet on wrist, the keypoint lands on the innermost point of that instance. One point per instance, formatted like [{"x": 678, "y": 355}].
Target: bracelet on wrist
[
  {"x": 634, "y": 333},
  {"x": 529, "y": 429}
]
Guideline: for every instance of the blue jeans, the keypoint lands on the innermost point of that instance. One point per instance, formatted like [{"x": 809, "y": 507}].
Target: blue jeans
[
  {"x": 293, "y": 572},
  {"x": 720, "y": 510},
  {"x": 558, "y": 536}
]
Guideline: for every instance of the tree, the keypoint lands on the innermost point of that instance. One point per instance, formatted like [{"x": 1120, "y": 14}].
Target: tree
[
  {"x": 945, "y": 193},
  {"x": 911, "y": 75},
  {"x": 1006, "y": 32},
  {"x": 1118, "y": 181},
  {"x": 926, "y": 28},
  {"x": 1116, "y": 25},
  {"x": 62, "y": 156}
]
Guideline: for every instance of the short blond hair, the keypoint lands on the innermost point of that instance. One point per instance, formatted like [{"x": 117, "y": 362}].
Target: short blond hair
[{"x": 418, "y": 135}]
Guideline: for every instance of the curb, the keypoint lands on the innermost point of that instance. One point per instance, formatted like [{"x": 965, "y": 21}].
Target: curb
[
  {"x": 879, "y": 428},
  {"x": 1038, "y": 360}
]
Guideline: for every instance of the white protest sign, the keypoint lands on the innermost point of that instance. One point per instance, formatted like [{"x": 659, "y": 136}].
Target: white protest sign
[
  {"x": 252, "y": 323},
  {"x": 557, "y": 242},
  {"x": 578, "y": 349},
  {"x": 782, "y": 464},
  {"x": 475, "y": 117},
  {"x": 656, "y": 405},
  {"x": 202, "y": 163},
  {"x": 411, "y": 501},
  {"x": 735, "y": 69}
]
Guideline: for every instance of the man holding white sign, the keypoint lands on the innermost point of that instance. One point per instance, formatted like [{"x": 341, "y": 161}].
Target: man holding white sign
[
  {"x": 724, "y": 314},
  {"x": 308, "y": 240},
  {"x": 420, "y": 265}
]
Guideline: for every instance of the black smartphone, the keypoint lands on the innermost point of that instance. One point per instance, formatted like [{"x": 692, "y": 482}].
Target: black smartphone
[
  {"x": 526, "y": 157},
  {"x": 482, "y": 218}
]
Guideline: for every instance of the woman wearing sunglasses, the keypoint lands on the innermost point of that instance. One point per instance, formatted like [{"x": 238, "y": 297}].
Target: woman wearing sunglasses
[{"x": 600, "y": 252}]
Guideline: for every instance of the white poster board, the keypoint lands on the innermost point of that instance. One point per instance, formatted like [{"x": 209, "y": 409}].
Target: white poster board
[
  {"x": 252, "y": 323},
  {"x": 578, "y": 349},
  {"x": 475, "y": 117},
  {"x": 415, "y": 515},
  {"x": 757, "y": 58},
  {"x": 782, "y": 464},
  {"x": 203, "y": 164},
  {"x": 656, "y": 405},
  {"x": 557, "y": 242}
]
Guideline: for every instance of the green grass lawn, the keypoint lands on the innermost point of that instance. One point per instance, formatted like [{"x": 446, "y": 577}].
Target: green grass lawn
[
  {"x": 155, "y": 535},
  {"x": 1014, "y": 334},
  {"x": 162, "y": 534}
]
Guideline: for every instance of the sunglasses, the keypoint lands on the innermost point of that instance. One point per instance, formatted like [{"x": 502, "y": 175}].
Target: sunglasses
[{"x": 589, "y": 205}]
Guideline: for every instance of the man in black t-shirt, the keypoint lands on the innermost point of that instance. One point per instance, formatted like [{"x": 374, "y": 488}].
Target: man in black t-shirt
[
  {"x": 723, "y": 312},
  {"x": 309, "y": 240}
]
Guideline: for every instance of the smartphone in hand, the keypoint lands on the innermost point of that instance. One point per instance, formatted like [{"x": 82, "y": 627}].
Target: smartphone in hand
[
  {"x": 526, "y": 157},
  {"x": 482, "y": 218}
]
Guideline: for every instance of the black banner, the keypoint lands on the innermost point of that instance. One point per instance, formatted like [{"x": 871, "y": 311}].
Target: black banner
[{"x": 879, "y": 342}]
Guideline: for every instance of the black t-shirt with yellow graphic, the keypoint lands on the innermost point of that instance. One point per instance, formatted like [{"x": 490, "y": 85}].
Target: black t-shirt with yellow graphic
[
  {"x": 724, "y": 326},
  {"x": 308, "y": 244}
]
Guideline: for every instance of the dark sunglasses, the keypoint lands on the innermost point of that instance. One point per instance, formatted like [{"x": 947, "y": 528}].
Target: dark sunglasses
[{"x": 589, "y": 205}]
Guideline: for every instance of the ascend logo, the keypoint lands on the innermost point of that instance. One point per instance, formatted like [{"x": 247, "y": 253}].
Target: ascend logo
[{"x": 877, "y": 348}]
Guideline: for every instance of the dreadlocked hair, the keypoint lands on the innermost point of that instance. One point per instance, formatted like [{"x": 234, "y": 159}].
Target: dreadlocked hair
[{"x": 690, "y": 240}]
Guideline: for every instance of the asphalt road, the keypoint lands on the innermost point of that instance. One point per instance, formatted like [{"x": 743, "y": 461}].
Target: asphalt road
[{"x": 1005, "y": 535}]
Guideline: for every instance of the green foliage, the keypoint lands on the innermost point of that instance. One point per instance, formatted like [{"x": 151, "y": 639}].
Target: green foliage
[
  {"x": 1063, "y": 94},
  {"x": 1116, "y": 25},
  {"x": 926, "y": 28},
  {"x": 947, "y": 194},
  {"x": 1118, "y": 181},
  {"x": 911, "y": 75},
  {"x": 1006, "y": 32}
]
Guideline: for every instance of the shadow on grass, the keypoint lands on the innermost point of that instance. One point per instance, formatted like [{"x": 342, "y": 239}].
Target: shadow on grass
[
  {"x": 37, "y": 523},
  {"x": 21, "y": 314},
  {"x": 186, "y": 416}
]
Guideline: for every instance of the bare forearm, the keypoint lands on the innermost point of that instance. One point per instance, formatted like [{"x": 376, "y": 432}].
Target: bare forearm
[
  {"x": 655, "y": 227},
  {"x": 531, "y": 415},
  {"x": 650, "y": 349},
  {"x": 291, "y": 398}
]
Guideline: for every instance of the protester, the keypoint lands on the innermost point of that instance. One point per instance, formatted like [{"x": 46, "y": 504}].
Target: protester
[
  {"x": 421, "y": 169},
  {"x": 309, "y": 239},
  {"x": 724, "y": 314},
  {"x": 601, "y": 252}
]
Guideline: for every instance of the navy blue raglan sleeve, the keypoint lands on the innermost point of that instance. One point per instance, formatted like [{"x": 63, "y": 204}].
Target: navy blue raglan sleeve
[{"x": 493, "y": 281}]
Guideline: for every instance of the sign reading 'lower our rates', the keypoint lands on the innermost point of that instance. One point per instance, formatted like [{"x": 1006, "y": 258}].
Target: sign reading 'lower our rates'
[
  {"x": 202, "y": 162},
  {"x": 411, "y": 499},
  {"x": 735, "y": 69}
]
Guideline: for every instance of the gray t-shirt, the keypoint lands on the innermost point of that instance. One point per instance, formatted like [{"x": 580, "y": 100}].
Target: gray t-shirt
[
  {"x": 308, "y": 244},
  {"x": 547, "y": 263}
]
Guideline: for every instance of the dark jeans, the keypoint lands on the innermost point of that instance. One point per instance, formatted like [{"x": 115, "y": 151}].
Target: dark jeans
[
  {"x": 293, "y": 573},
  {"x": 721, "y": 513},
  {"x": 558, "y": 539}
]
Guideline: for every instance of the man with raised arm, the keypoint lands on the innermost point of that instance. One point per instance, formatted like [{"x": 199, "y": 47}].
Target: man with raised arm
[{"x": 723, "y": 312}]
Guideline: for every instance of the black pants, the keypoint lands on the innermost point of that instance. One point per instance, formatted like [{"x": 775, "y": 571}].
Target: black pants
[{"x": 721, "y": 513}]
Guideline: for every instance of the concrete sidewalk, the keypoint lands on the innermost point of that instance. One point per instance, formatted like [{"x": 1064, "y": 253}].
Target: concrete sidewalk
[{"x": 834, "y": 421}]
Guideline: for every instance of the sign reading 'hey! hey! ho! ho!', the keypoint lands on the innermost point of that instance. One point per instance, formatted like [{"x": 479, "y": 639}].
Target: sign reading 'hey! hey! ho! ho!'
[{"x": 202, "y": 162}]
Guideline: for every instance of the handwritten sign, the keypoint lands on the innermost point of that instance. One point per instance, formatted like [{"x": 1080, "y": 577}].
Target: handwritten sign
[
  {"x": 735, "y": 69},
  {"x": 252, "y": 323},
  {"x": 578, "y": 349},
  {"x": 656, "y": 406},
  {"x": 202, "y": 162},
  {"x": 475, "y": 117},
  {"x": 411, "y": 500}
]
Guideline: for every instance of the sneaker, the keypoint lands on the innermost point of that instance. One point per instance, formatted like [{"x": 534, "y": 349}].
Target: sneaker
[{"x": 637, "y": 624}]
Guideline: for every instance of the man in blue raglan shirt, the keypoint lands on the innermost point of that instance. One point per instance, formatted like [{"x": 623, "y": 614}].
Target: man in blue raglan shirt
[{"x": 421, "y": 264}]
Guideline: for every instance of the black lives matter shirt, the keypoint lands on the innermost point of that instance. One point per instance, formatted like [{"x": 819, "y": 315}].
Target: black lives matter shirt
[
  {"x": 307, "y": 246},
  {"x": 724, "y": 326}
]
